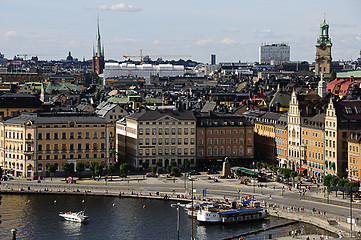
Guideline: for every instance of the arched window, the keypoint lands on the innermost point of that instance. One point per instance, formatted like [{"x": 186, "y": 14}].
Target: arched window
[
  {"x": 40, "y": 167},
  {"x": 29, "y": 135}
]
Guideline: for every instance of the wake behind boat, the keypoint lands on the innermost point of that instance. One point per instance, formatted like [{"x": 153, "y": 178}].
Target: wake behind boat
[{"x": 74, "y": 216}]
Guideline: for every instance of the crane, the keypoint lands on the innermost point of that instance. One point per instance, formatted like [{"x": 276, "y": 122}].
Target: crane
[{"x": 141, "y": 56}]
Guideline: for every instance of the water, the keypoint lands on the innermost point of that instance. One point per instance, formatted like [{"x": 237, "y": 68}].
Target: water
[{"x": 36, "y": 217}]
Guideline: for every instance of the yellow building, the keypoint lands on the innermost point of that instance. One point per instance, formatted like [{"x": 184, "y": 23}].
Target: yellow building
[
  {"x": 354, "y": 156},
  {"x": 312, "y": 146},
  {"x": 32, "y": 141}
]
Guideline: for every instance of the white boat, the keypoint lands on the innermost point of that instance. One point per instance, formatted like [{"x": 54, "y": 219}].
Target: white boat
[
  {"x": 75, "y": 216},
  {"x": 224, "y": 214}
]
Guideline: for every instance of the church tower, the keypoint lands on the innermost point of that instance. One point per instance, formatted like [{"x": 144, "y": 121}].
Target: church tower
[
  {"x": 98, "y": 54},
  {"x": 323, "y": 58}
]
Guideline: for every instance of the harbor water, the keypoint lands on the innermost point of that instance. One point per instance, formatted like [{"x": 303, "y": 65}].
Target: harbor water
[{"x": 36, "y": 217}]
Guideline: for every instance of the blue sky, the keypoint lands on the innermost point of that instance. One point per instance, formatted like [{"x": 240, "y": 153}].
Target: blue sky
[{"x": 231, "y": 29}]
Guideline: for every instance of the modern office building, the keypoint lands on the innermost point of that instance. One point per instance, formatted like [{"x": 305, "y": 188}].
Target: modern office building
[{"x": 274, "y": 54}]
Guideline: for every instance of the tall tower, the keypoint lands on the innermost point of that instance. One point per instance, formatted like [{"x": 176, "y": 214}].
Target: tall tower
[
  {"x": 323, "y": 58},
  {"x": 98, "y": 54}
]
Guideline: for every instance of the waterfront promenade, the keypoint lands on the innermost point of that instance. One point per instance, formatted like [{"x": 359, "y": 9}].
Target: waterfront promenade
[{"x": 313, "y": 207}]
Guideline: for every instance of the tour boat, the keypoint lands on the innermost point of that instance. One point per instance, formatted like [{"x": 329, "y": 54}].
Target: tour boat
[
  {"x": 226, "y": 214},
  {"x": 75, "y": 216}
]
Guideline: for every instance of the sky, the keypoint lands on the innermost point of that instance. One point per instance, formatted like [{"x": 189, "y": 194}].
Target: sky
[{"x": 187, "y": 29}]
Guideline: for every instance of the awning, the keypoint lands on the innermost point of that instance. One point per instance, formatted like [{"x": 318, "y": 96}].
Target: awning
[
  {"x": 332, "y": 164},
  {"x": 301, "y": 169}
]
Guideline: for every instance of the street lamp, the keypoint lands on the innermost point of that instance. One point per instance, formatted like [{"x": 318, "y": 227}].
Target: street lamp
[
  {"x": 254, "y": 182},
  {"x": 350, "y": 171},
  {"x": 177, "y": 206},
  {"x": 191, "y": 179}
]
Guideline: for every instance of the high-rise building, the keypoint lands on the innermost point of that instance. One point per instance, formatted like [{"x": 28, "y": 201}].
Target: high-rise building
[
  {"x": 98, "y": 54},
  {"x": 274, "y": 54},
  {"x": 213, "y": 59},
  {"x": 323, "y": 58}
]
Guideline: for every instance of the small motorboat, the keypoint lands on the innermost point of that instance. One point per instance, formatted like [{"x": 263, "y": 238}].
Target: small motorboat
[{"x": 74, "y": 216}]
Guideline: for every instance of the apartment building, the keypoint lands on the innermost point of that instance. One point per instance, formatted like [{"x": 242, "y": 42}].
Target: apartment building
[
  {"x": 312, "y": 146},
  {"x": 281, "y": 139},
  {"x": 31, "y": 141},
  {"x": 221, "y": 135},
  {"x": 354, "y": 156},
  {"x": 294, "y": 133},
  {"x": 149, "y": 137}
]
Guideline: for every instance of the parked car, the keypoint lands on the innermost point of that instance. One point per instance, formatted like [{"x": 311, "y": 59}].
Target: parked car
[
  {"x": 150, "y": 174},
  {"x": 37, "y": 177},
  {"x": 4, "y": 178}
]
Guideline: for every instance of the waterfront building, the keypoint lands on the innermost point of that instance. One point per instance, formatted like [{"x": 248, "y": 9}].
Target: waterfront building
[
  {"x": 31, "y": 141},
  {"x": 342, "y": 119},
  {"x": 274, "y": 54},
  {"x": 323, "y": 60},
  {"x": 13, "y": 103},
  {"x": 354, "y": 156},
  {"x": 294, "y": 133},
  {"x": 312, "y": 145},
  {"x": 265, "y": 137},
  {"x": 98, "y": 63},
  {"x": 221, "y": 135},
  {"x": 148, "y": 137},
  {"x": 281, "y": 139}
]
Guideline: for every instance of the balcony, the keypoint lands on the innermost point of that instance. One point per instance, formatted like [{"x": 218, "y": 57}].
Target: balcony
[{"x": 29, "y": 140}]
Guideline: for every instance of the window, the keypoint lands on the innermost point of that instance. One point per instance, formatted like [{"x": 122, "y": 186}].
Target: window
[
  {"x": 56, "y": 147},
  {"x": 80, "y": 135},
  {"x": 47, "y": 136},
  {"x": 166, "y": 131},
  {"x": 95, "y": 135},
  {"x": 192, "y": 140},
  {"x": 56, "y": 136},
  {"x": 160, "y": 151},
  {"x": 63, "y": 135},
  {"x": 186, "y": 131},
  {"x": 192, "y": 131},
  {"x": 87, "y": 146},
  {"x": 200, "y": 141},
  {"x": 79, "y": 146},
  {"x": 216, "y": 141},
  {"x": 40, "y": 147},
  {"x": 87, "y": 135},
  {"x": 173, "y": 131},
  {"x": 180, "y": 131},
  {"x": 71, "y": 146},
  {"x": 147, "y": 131},
  {"x": 102, "y": 134},
  {"x": 209, "y": 141},
  {"x": 228, "y": 141},
  {"x": 249, "y": 151},
  {"x": 40, "y": 136},
  {"x": 222, "y": 141}
]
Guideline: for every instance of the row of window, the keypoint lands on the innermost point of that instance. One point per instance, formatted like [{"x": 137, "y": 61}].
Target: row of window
[
  {"x": 154, "y": 161},
  {"x": 315, "y": 155},
  {"x": 166, "y": 123},
  {"x": 215, "y": 141},
  {"x": 353, "y": 148},
  {"x": 166, "y": 141},
  {"x": 71, "y": 156},
  {"x": 279, "y": 131},
  {"x": 71, "y": 146},
  {"x": 166, "y": 151},
  {"x": 222, "y": 132},
  {"x": 223, "y": 152},
  {"x": 330, "y": 154},
  {"x": 313, "y": 143},
  {"x": 314, "y": 134},
  {"x": 71, "y": 135},
  {"x": 173, "y": 131}
]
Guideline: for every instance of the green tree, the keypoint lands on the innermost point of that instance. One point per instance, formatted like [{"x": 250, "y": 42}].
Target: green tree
[
  {"x": 93, "y": 166},
  {"x": 187, "y": 164},
  {"x": 175, "y": 171},
  {"x": 168, "y": 168},
  {"x": 51, "y": 169},
  {"x": 65, "y": 167},
  {"x": 80, "y": 166},
  {"x": 259, "y": 165},
  {"x": 159, "y": 170},
  {"x": 333, "y": 75},
  {"x": 327, "y": 180},
  {"x": 334, "y": 181},
  {"x": 154, "y": 169},
  {"x": 98, "y": 170},
  {"x": 111, "y": 171},
  {"x": 286, "y": 173},
  {"x": 124, "y": 168},
  {"x": 293, "y": 174},
  {"x": 341, "y": 184}
]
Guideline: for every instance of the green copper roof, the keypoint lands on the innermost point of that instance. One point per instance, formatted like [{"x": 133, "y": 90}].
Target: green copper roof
[
  {"x": 49, "y": 87},
  {"x": 348, "y": 74}
]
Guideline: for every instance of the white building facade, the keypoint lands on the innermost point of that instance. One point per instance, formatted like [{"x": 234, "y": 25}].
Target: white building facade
[{"x": 274, "y": 54}]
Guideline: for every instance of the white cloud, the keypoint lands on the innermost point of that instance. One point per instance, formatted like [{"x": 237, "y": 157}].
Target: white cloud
[
  {"x": 228, "y": 41},
  {"x": 203, "y": 42},
  {"x": 358, "y": 38},
  {"x": 120, "y": 7},
  {"x": 11, "y": 33},
  {"x": 117, "y": 39}
]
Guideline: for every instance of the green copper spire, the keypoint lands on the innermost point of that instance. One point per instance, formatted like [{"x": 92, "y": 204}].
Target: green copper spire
[{"x": 324, "y": 37}]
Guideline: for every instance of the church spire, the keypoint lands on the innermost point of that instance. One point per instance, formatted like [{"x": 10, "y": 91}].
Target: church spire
[{"x": 98, "y": 45}]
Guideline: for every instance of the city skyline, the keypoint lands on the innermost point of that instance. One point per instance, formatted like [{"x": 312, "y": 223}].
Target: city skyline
[{"x": 233, "y": 31}]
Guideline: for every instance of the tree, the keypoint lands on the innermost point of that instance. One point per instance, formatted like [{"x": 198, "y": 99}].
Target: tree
[
  {"x": 93, "y": 166},
  {"x": 51, "y": 169},
  {"x": 154, "y": 169},
  {"x": 334, "y": 182},
  {"x": 293, "y": 174},
  {"x": 80, "y": 166},
  {"x": 111, "y": 170},
  {"x": 124, "y": 168},
  {"x": 333, "y": 75},
  {"x": 327, "y": 180},
  {"x": 341, "y": 183},
  {"x": 159, "y": 170},
  {"x": 65, "y": 166},
  {"x": 187, "y": 164},
  {"x": 98, "y": 170},
  {"x": 168, "y": 168},
  {"x": 175, "y": 171}
]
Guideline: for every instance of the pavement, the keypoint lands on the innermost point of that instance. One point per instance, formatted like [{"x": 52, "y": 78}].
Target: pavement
[{"x": 327, "y": 211}]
